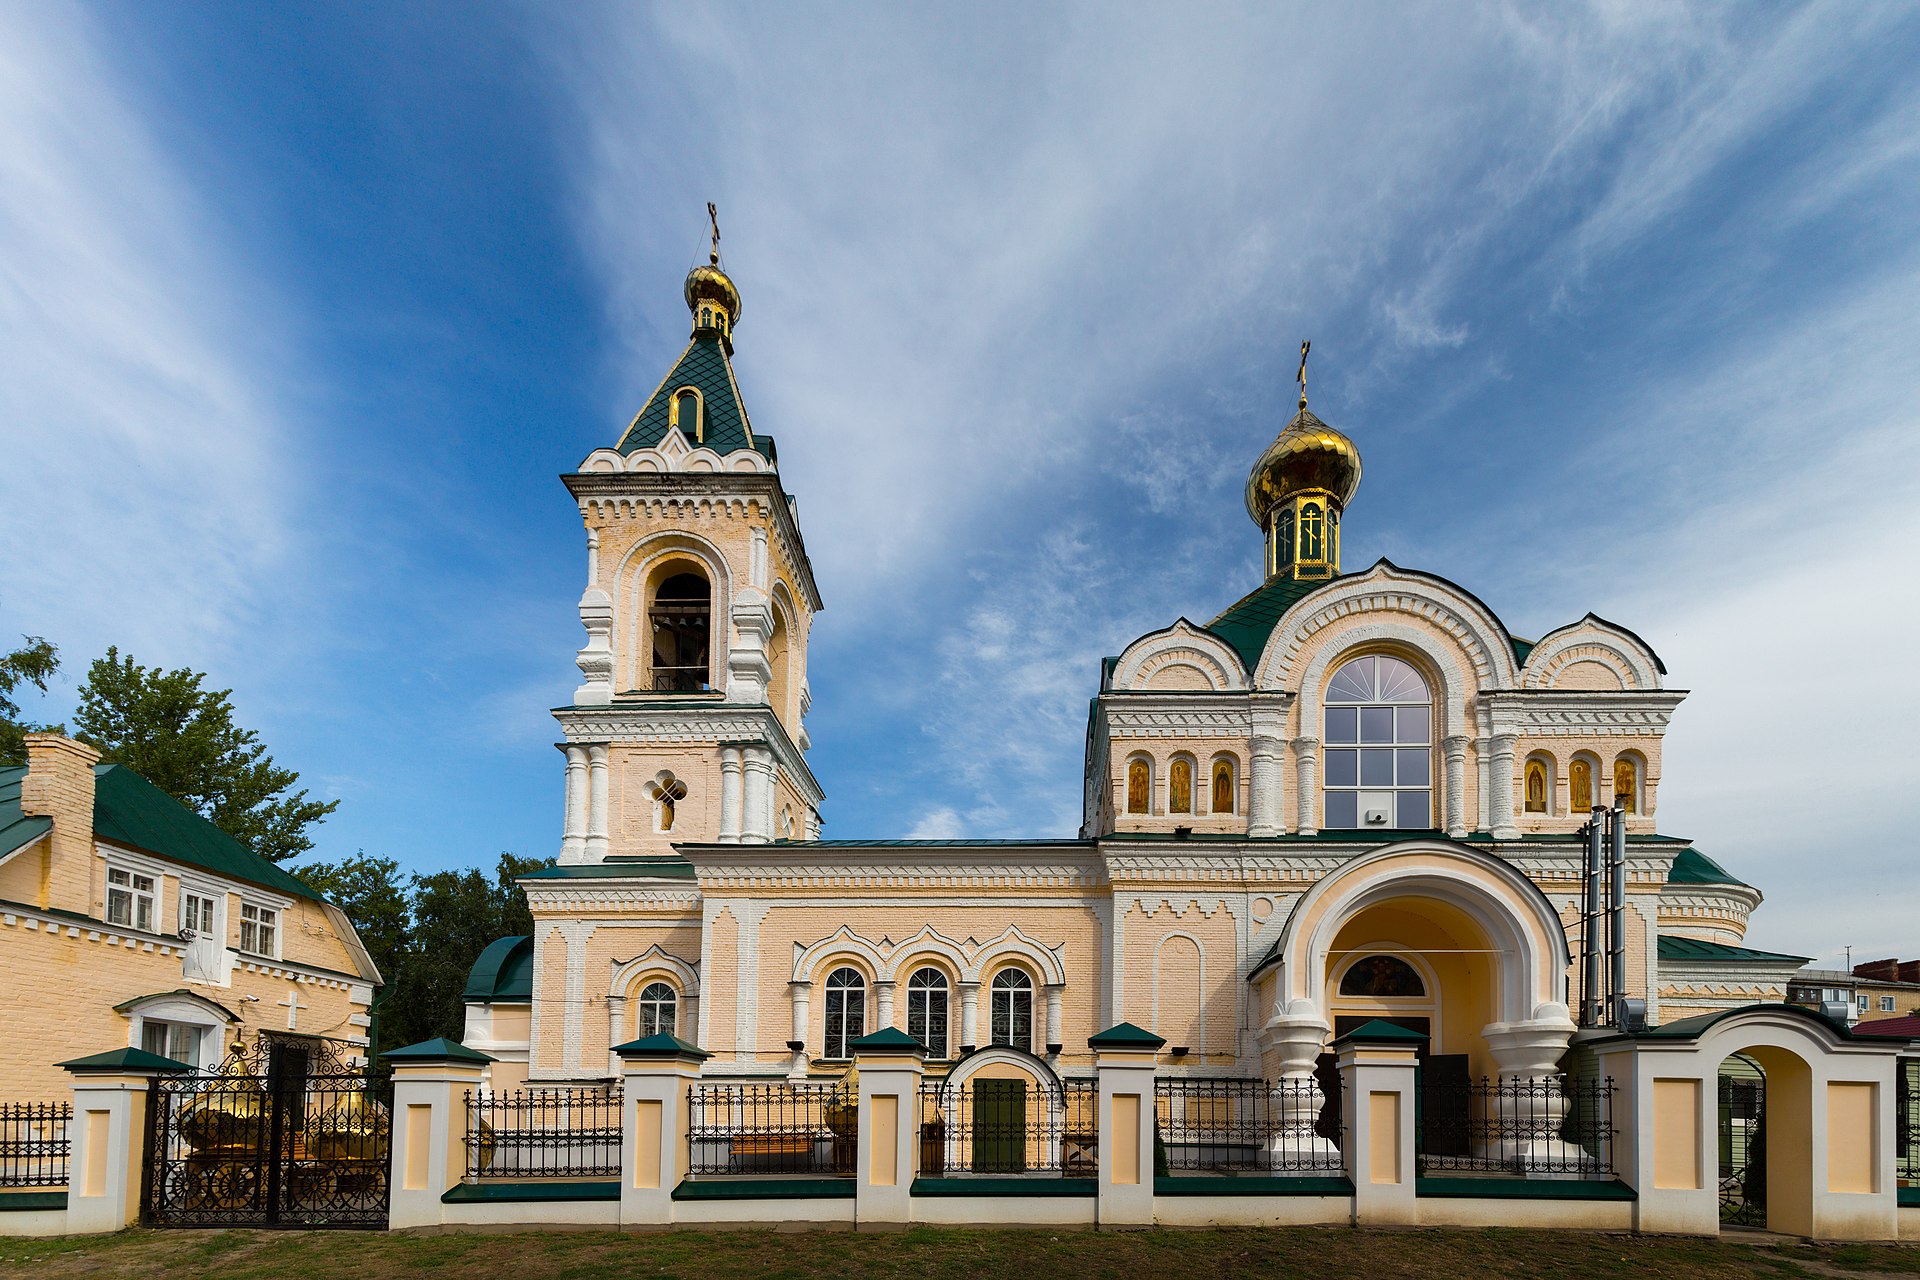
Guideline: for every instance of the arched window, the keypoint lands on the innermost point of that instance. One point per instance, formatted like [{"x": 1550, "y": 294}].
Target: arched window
[
  {"x": 1626, "y": 785},
  {"x": 681, "y": 617},
  {"x": 846, "y": 1011},
  {"x": 1379, "y": 747},
  {"x": 1013, "y": 1009},
  {"x": 1223, "y": 786},
  {"x": 1387, "y": 977},
  {"x": 927, "y": 1010},
  {"x": 1283, "y": 540},
  {"x": 1180, "y": 787},
  {"x": 686, "y": 414},
  {"x": 668, "y": 792},
  {"x": 1139, "y": 786},
  {"x": 1311, "y": 536},
  {"x": 1333, "y": 535},
  {"x": 1539, "y": 787},
  {"x": 656, "y": 1010},
  {"x": 1580, "y": 787}
]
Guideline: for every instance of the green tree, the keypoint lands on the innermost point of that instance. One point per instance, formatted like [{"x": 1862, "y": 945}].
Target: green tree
[
  {"x": 33, "y": 663},
  {"x": 455, "y": 915},
  {"x": 181, "y": 737}
]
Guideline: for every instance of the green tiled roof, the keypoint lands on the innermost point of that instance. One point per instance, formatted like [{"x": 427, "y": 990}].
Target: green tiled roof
[
  {"x": 129, "y": 810},
  {"x": 504, "y": 972},
  {"x": 1690, "y": 866},
  {"x": 703, "y": 366},
  {"x": 1248, "y": 621},
  {"x": 438, "y": 1049},
  {"x": 617, "y": 869},
  {"x": 1677, "y": 948}
]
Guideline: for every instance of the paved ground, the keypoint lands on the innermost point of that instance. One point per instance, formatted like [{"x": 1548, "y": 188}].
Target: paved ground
[{"x": 1313, "y": 1253}]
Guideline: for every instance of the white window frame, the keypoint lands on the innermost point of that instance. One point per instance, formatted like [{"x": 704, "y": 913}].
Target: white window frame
[
  {"x": 151, "y": 896},
  {"x": 852, "y": 1013},
  {"x": 1394, "y": 747},
  {"x": 1887, "y": 1004},
  {"x": 210, "y": 927},
  {"x": 998, "y": 995},
  {"x": 276, "y": 924},
  {"x": 665, "y": 1007}
]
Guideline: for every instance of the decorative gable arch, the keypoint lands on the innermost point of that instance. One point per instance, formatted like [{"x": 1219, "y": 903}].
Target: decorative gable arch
[
  {"x": 1593, "y": 639},
  {"x": 1179, "y": 649}
]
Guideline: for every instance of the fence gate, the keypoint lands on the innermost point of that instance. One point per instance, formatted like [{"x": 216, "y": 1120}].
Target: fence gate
[
  {"x": 281, "y": 1134},
  {"x": 1743, "y": 1151}
]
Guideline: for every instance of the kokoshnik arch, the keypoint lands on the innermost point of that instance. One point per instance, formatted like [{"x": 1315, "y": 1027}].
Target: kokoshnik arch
[{"x": 1352, "y": 794}]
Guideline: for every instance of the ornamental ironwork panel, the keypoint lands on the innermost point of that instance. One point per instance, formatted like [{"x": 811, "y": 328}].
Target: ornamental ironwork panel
[
  {"x": 1218, "y": 1124},
  {"x": 790, "y": 1127},
  {"x": 284, "y": 1133},
  {"x": 544, "y": 1133},
  {"x": 1743, "y": 1151},
  {"x": 34, "y": 1143},
  {"x": 1543, "y": 1126},
  {"x": 1004, "y": 1127}
]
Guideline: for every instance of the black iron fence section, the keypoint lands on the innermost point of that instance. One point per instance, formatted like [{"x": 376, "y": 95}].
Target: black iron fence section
[
  {"x": 772, "y": 1127},
  {"x": 1239, "y": 1125},
  {"x": 1544, "y": 1126},
  {"x": 34, "y": 1143},
  {"x": 544, "y": 1133},
  {"x": 1906, "y": 1122},
  {"x": 1005, "y": 1127}
]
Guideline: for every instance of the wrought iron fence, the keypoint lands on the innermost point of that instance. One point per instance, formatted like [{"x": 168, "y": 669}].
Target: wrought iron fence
[
  {"x": 772, "y": 1127},
  {"x": 544, "y": 1133},
  {"x": 1549, "y": 1126},
  {"x": 1742, "y": 1151},
  {"x": 34, "y": 1143},
  {"x": 1906, "y": 1121},
  {"x": 984, "y": 1126},
  {"x": 1240, "y": 1125}
]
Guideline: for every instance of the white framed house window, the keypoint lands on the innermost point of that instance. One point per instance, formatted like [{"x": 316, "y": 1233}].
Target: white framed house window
[
  {"x": 177, "y": 1040},
  {"x": 1886, "y": 1004},
  {"x": 657, "y": 1007},
  {"x": 1379, "y": 747},
  {"x": 1012, "y": 1009},
  {"x": 196, "y": 914},
  {"x": 259, "y": 930},
  {"x": 846, "y": 1011},
  {"x": 130, "y": 899}
]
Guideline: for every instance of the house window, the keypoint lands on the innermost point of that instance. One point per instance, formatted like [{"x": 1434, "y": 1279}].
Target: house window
[
  {"x": 1180, "y": 787},
  {"x": 1886, "y": 1004},
  {"x": 196, "y": 915},
  {"x": 1580, "y": 787},
  {"x": 846, "y": 1011},
  {"x": 259, "y": 930},
  {"x": 1379, "y": 747},
  {"x": 657, "y": 1005},
  {"x": 1222, "y": 787},
  {"x": 681, "y": 618},
  {"x": 1538, "y": 787},
  {"x": 1013, "y": 1009},
  {"x": 927, "y": 1010},
  {"x": 1139, "y": 785},
  {"x": 1626, "y": 786},
  {"x": 176, "y": 1040},
  {"x": 130, "y": 898}
]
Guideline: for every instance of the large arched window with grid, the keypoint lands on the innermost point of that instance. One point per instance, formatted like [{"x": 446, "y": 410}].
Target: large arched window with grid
[
  {"x": 1012, "y": 1008},
  {"x": 846, "y": 1011},
  {"x": 927, "y": 1010},
  {"x": 1379, "y": 747},
  {"x": 655, "y": 1010}
]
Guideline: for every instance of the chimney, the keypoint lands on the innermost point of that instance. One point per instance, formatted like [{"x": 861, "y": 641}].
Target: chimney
[
  {"x": 1878, "y": 970},
  {"x": 1910, "y": 971},
  {"x": 59, "y": 785}
]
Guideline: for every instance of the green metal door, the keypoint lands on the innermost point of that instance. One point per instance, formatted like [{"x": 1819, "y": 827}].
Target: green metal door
[{"x": 999, "y": 1126}]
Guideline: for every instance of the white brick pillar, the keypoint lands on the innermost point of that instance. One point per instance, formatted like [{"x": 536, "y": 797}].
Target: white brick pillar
[
  {"x": 757, "y": 819},
  {"x": 573, "y": 840},
  {"x": 1378, "y": 1065},
  {"x": 890, "y": 1063},
  {"x": 1454, "y": 749},
  {"x": 730, "y": 798},
  {"x": 596, "y": 803},
  {"x": 1266, "y": 787},
  {"x": 108, "y": 1135},
  {"x": 1501, "y": 785},
  {"x": 1306, "y": 776},
  {"x": 616, "y": 1030},
  {"x": 969, "y": 1015},
  {"x": 799, "y": 996},
  {"x": 1124, "y": 1057},
  {"x": 883, "y": 1001},
  {"x": 431, "y": 1082},
  {"x": 1054, "y": 992},
  {"x": 657, "y": 1076}
]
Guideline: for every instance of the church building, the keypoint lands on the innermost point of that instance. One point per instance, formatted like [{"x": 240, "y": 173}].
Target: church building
[{"x": 1351, "y": 794}]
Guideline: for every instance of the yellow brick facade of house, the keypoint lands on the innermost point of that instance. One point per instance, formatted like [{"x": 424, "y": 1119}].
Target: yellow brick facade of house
[{"x": 126, "y": 920}]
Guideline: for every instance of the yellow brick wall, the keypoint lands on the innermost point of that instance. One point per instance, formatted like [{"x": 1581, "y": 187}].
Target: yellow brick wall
[{"x": 1187, "y": 994}]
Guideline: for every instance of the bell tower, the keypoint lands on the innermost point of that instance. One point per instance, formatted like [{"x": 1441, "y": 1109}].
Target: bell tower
[{"x": 689, "y": 726}]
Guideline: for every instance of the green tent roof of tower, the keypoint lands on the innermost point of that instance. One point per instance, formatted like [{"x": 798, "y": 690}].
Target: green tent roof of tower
[{"x": 704, "y": 367}]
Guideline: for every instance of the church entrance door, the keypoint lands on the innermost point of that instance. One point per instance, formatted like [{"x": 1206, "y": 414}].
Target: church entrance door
[{"x": 999, "y": 1126}]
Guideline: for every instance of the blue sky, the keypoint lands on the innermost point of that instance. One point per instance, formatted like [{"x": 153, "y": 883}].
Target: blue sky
[{"x": 305, "y": 307}]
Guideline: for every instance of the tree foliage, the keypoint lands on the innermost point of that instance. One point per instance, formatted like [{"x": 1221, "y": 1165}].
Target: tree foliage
[
  {"x": 34, "y": 663},
  {"x": 424, "y": 932},
  {"x": 181, "y": 737}
]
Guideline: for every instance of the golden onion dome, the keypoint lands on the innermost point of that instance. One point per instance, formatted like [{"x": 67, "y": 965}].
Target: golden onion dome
[
  {"x": 1308, "y": 454},
  {"x": 708, "y": 283}
]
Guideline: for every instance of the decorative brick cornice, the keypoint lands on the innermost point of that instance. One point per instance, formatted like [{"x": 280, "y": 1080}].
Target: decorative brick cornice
[
  {"x": 714, "y": 721},
  {"x": 1561, "y": 713}
]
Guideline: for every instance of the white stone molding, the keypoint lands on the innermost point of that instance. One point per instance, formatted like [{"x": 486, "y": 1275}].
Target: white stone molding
[
  {"x": 575, "y": 934},
  {"x": 1500, "y": 769},
  {"x": 913, "y": 952},
  {"x": 706, "y": 721},
  {"x": 1388, "y": 589},
  {"x": 1014, "y": 944},
  {"x": 1055, "y": 993},
  {"x": 676, "y": 454},
  {"x": 595, "y": 659},
  {"x": 732, "y": 804},
  {"x": 843, "y": 943},
  {"x": 756, "y": 822},
  {"x": 799, "y": 1000},
  {"x": 883, "y": 1005},
  {"x": 969, "y": 1014},
  {"x": 596, "y": 846},
  {"x": 757, "y": 557},
  {"x": 1450, "y": 699},
  {"x": 1205, "y": 658},
  {"x": 882, "y": 959},
  {"x": 1200, "y": 948},
  {"x": 1454, "y": 761},
  {"x": 656, "y": 961},
  {"x": 573, "y": 839},
  {"x": 1561, "y": 713},
  {"x": 921, "y": 867},
  {"x": 748, "y": 669},
  {"x": 1175, "y": 715},
  {"x": 1306, "y": 781},
  {"x": 1265, "y": 790},
  {"x": 1592, "y": 639},
  {"x": 674, "y": 899},
  {"x": 630, "y": 580}
]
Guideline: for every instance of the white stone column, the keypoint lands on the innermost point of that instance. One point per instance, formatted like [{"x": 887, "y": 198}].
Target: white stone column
[
  {"x": 757, "y": 818},
  {"x": 730, "y": 797},
  {"x": 595, "y": 660},
  {"x": 1265, "y": 790},
  {"x": 1481, "y": 749},
  {"x": 1306, "y": 775},
  {"x": 1054, "y": 991},
  {"x": 596, "y": 803},
  {"x": 799, "y": 996},
  {"x": 573, "y": 839},
  {"x": 616, "y": 1030},
  {"x": 1454, "y": 748},
  {"x": 1299, "y": 1037},
  {"x": 883, "y": 999},
  {"x": 1532, "y": 1106},
  {"x": 1504, "y": 826},
  {"x": 969, "y": 1015}
]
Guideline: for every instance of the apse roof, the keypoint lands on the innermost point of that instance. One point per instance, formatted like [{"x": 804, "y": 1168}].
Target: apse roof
[
  {"x": 1673, "y": 947},
  {"x": 1690, "y": 866},
  {"x": 705, "y": 367},
  {"x": 504, "y": 972}
]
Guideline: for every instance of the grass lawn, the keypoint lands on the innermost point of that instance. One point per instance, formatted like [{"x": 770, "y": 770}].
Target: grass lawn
[{"x": 1314, "y": 1253}]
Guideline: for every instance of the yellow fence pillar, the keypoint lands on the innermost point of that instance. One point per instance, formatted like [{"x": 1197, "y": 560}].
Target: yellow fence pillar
[
  {"x": 1125, "y": 1057},
  {"x": 431, "y": 1081},
  {"x": 657, "y": 1075},
  {"x": 890, "y": 1063},
  {"x": 1378, "y": 1064},
  {"x": 108, "y": 1135}
]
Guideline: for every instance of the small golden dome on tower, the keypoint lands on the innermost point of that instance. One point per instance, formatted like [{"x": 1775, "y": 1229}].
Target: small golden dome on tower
[
  {"x": 1307, "y": 455},
  {"x": 711, "y": 294}
]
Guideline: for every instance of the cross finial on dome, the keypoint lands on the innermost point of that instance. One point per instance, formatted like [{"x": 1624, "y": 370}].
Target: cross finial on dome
[
  {"x": 1300, "y": 377},
  {"x": 713, "y": 216}
]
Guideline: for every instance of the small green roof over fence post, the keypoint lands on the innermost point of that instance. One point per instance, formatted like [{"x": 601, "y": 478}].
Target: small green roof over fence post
[{"x": 1124, "y": 1035}]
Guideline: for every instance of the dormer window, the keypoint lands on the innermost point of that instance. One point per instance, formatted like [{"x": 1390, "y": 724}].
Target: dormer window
[{"x": 684, "y": 415}]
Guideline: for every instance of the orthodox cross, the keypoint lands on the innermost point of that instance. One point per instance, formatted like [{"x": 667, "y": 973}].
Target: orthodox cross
[
  {"x": 293, "y": 1006},
  {"x": 713, "y": 216},
  {"x": 1300, "y": 377}
]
